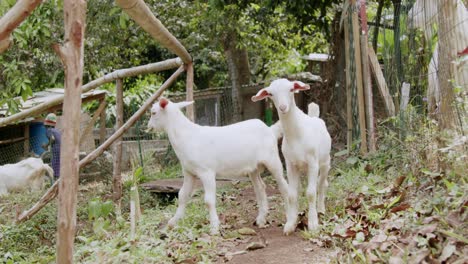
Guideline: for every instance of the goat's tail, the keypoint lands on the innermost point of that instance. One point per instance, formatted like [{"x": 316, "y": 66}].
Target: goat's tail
[
  {"x": 49, "y": 173},
  {"x": 314, "y": 110}
]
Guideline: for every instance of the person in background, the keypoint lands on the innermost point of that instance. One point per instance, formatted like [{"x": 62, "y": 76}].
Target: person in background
[{"x": 54, "y": 136}]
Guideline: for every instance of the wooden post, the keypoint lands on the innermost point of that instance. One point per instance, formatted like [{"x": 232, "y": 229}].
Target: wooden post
[
  {"x": 367, "y": 79},
  {"x": 117, "y": 160},
  {"x": 71, "y": 54},
  {"x": 189, "y": 91},
  {"x": 349, "y": 107},
  {"x": 26, "y": 140},
  {"x": 360, "y": 89},
  {"x": 52, "y": 192},
  {"x": 102, "y": 125}
]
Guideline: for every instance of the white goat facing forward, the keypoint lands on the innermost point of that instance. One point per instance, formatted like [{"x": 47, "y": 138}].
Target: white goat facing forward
[
  {"x": 28, "y": 173},
  {"x": 205, "y": 152},
  {"x": 306, "y": 149}
]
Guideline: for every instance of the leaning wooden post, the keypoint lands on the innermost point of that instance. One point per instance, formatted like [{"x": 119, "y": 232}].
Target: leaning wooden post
[
  {"x": 360, "y": 89},
  {"x": 13, "y": 18},
  {"x": 117, "y": 172},
  {"x": 71, "y": 54},
  {"x": 367, "y": 79},
  {"x": 189, "y": 91},
  {"x": 102, "y": 126}
]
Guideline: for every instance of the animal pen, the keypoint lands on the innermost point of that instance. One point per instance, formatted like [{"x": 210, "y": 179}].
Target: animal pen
[
  {"x": 426, "y": 79},
  {"x": 71, "y": 54}
]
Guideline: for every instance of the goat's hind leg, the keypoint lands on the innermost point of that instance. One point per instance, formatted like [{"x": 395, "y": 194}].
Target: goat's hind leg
[
  {"x": 184, "y": 195},
  {"x": 323, "y": 185},
  {"x": 260, "y": 193}
]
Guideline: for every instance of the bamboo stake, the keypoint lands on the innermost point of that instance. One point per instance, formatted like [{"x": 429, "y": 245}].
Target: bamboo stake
[
  {"x": 190, "y": 108},
  {"x": 52, "y": 192},
  {"x": 71, "y": 54},
  {"x": 13, "y": 18},
  {"x": 142, "y": 15},
  {"x": 110, "y": 77},
  {"x": 117, "y": 171},
  {"x": 360, "y": 89}
]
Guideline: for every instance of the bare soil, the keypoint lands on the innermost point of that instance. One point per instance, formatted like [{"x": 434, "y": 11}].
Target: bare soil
[{"x": 278, "y": 248}]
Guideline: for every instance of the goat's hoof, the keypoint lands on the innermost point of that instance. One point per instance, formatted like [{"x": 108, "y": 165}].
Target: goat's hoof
[
  {"x": 214, "y": 231},
  {"x": 313, "y": 226},
  {"x": 261, "y": 222},
  {"x": 171, "y": 223},
  {"x": 289, "y": 228}
]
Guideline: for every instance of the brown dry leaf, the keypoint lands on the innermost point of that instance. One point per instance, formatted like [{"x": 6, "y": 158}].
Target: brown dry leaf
[
  {"x": 395, "y": 260},
  {"x": 247, "y": 231},
  {"x": 400, "y": 207},
  {"x": 255, "y": 246},
  {"x": 419, "y": 256},
  {"x": 399, "y": 181},
  {"x": 427, "y": 229},
  {"x": 230, "y": 255}
]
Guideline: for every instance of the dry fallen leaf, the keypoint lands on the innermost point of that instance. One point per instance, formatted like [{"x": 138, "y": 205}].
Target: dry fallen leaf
[
  {"x": 447, "y": 252},
  {"x": 255, "y": 246},
  {"x": 247, "y": 231}
]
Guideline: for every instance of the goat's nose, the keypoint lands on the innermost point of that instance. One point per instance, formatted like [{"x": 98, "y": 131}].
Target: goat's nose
[{"x": 282, "y": 108}]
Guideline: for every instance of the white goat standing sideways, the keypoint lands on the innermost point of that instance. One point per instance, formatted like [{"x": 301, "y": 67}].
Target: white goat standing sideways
[
  {"x": 28, "y": 173},
  {"x": 306, "y": 149},
  {"x": 205, "y": 152}
]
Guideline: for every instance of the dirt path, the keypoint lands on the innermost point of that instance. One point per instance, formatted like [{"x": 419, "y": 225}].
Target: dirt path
[{"x": 275, "y": 248}]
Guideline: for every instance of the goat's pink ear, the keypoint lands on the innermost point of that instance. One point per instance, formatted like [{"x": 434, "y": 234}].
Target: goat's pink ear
[
  {"x": 163, "y": 103},
  {"x": 300, "y": 86},
  {"x": 262, "y": 94}
]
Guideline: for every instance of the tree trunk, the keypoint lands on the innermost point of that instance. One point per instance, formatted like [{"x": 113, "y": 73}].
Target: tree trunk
[
  {"x": 71, "y": 54},
  {"x": 446, "y": 71},
  {"x": 397, "y": 47},
  {"x": 378, "y": 17},
  {"x": 239, "y": 71}
]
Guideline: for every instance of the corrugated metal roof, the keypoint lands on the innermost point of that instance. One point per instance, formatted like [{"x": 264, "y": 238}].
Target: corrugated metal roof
[{"x": 44, "y": 96}]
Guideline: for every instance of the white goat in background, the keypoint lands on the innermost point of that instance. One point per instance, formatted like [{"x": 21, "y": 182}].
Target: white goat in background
[
  {"x": 424, "y": 15},
  {"x": 244, "y": 148},
  {"x": 29, "y": 173},
  {"x": 306, "y": 149}
]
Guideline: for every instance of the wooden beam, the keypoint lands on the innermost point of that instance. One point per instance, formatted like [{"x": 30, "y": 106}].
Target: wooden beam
[
  {"x": 142, "y": 15},
  {"x": 189, "y": 92},
  {"x": 89, "y": 127},
  {"x": 102, "y": 126},
  {"x": 117, "y": 159},
  {"x": 110, "y": 77},
  {"x": 359, "y": 79},
  {"x": 13, "y": 140},
  {"x": 71, "y": 54},
  {"x": 13, "y": 18},
  {"x": 52, "y": 192},
  {"x": 381, "y": 83}
]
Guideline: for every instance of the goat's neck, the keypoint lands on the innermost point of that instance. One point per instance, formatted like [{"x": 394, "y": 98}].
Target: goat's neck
[
  {"x": 290, "y": 121},
  {"x": 179, "y": 129}
]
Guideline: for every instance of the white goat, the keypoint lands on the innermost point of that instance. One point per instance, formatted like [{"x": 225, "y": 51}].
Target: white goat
[
  {"x": 306, "y": 149},
  {"x": 28, "y": 173},
  {"x": 424, "y": 15},
  {"x": 205, "y": 152}
]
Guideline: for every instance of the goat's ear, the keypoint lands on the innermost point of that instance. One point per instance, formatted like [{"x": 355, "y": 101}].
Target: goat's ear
[
  {"x": 184, "y": 104},
  {"x": 262, "y": 94},
  {"x": 163, "y": 102},
  {"x": 299, "y": 86}
]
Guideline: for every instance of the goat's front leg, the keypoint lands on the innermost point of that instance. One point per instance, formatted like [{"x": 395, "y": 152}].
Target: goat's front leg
[
  {"x": 209, "y": 185},
  {"x": 260, "y": 193},
  {"x": 294, "y": 185},
  {"x": 276, "y": 169},
  {"x": 312, "y": 193},
  {"x": 184, "y": 195}
]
